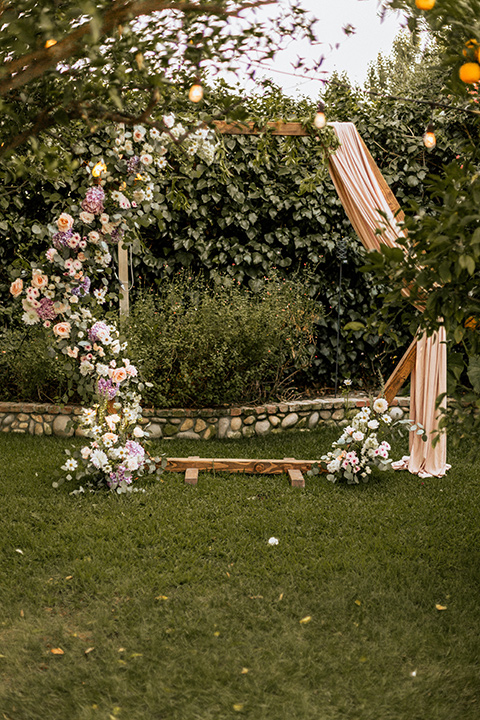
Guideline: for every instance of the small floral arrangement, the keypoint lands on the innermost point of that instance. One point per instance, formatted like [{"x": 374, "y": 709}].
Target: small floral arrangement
[
  {"x": 115, "y": 455},
  {"x": 360, "y": 447}
]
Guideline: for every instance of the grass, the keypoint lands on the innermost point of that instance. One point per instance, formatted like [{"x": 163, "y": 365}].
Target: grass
[{"x": 192, "y": 615}]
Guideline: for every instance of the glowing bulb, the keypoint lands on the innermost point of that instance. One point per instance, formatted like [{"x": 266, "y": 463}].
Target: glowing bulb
[
  {"x": 320, "y": 120},
  {"x": 99, "y": 168},
  {"x": 195, "y": 93},
  {"x": 49, "y": 43},
  {"x": 429, "y": 139}
]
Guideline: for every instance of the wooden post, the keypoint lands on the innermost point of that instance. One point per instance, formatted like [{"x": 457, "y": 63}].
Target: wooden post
[
  {"x": 123, "y": 279},
  {"x": 401, "y": 372}
]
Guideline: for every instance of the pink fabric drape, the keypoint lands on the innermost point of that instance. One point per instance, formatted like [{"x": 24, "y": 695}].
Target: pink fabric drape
[{"x": 371, "y": 206}]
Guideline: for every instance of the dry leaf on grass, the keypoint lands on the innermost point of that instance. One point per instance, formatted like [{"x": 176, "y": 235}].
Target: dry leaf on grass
[
  {"x": 441, "y": 607},
  {"x": 305, "y": 619},
  {"x": 57, "y": 651}
]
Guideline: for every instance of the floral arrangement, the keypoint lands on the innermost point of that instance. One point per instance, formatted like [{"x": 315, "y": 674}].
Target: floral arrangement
[
  {"x": 360, "y": 447},
  {"x": 66, "y": 294}
]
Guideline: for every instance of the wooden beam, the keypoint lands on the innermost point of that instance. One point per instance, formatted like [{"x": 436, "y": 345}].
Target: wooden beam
[
  {"x": 240, "y": 465},
  {"x": 401, "y": 372},
  {"x": 249, "y": 128},
  {"x": 123, "y": 279}
]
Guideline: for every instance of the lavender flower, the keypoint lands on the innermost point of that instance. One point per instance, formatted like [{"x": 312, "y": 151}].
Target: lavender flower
[
  {"x": 106, "y": 388},
  {"x": 133, "y": 164},
  {"x": 82, "y": 289},
  {"x": 116, "y": 235},
  {"x": 94, "y": 198}
]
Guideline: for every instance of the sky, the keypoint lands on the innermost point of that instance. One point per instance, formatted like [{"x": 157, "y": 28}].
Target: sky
[{"x": 354, "y": 53}]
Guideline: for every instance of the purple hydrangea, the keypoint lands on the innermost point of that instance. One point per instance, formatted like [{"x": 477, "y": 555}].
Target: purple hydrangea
[
  {"x": 134, "y": 448},
  {"x": 45, "y": 309},
  {"x": 94, "y": 198},
  {"x": 106, "y": 388},
  {"x": 60, "y": 239},
  {"x": 82, "y": 289}
]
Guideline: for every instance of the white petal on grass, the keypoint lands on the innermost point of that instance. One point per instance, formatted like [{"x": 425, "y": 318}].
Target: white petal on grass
[{"x": 273, "y": 541}]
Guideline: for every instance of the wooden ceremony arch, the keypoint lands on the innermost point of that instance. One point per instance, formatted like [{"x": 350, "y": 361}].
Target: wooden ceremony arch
[{"x": 365, "y": 223}]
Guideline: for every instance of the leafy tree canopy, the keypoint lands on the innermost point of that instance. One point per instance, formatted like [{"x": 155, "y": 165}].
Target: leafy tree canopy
[{"x": 77, "y": 60}]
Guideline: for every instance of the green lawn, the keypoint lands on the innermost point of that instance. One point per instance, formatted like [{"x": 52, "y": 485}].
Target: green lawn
[{"x": 171, "y": 604}]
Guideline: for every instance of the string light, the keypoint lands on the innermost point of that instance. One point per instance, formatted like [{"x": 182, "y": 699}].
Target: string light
[
  {"x": 429, "y": 139},
  {"x": 195, "y": 94},
  {"x": 320, "y": 120}
]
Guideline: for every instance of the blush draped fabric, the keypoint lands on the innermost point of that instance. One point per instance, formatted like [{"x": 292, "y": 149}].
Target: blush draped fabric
[{"x": 371, "y": 206}]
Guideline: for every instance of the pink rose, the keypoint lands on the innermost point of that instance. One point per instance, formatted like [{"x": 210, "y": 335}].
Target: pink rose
[
  {"x": 119, "y": 375},
  {"x": 72, "y": 352},
  {"x": 65, "y": 222},
  {"x": 16, "y": 287},
  {"x": 50, "y": 254},
  {"x": 62, "y": 329},
  {"x": 131, "y": 371}
]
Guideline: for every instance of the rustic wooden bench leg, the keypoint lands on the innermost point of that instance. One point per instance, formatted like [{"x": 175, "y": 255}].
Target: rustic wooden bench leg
[
  {"x": 191, "y": 473},
  {"x": 296, "y": 478},
  {"x": 295, "y": 475}
]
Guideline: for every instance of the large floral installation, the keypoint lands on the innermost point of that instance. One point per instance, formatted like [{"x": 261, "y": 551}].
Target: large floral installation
[{"x": 68, "y": 290}]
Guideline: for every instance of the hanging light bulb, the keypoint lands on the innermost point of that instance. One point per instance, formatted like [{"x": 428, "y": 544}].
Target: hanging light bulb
[
  {"x": 195, "y": 94},
  {"x": 99, "y": 168},
  {"x": 429, "y": 139},
  {"x": 320, "y": 120}
]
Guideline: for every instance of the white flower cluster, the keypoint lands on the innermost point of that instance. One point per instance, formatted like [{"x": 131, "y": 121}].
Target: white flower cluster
[
  {"x": 359, "y": 447},
  {"x": 114, "y": 454}
]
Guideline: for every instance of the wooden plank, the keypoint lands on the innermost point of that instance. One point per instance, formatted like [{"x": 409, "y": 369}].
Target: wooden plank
[
  {"x": 401, "y": 372},
  {"x": 241, "y": 465},
  {"x": 123, "y": 279},
  {"x": 276, "y": 127}
]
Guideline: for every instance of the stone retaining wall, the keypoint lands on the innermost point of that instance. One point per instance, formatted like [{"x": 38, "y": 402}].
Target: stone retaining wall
[{"x": 234, "y": 422}]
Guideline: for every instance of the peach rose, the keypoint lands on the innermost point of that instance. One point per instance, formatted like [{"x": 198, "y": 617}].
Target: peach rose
[
  {"x": 38, "y": 280},
  {"x": 16, "y": 287},
  {"x": 62, "y": 329},
  {"x": 119, "y": 375},
  {"x": 87, "y": 217},
  {"x": 65, "y": 222}
]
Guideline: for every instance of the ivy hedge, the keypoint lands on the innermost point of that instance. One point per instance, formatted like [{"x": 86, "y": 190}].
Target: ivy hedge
[{"x": 266, "y": 203}]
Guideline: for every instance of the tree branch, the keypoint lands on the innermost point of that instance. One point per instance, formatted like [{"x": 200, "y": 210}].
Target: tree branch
[{"x": 23, "y": 70}]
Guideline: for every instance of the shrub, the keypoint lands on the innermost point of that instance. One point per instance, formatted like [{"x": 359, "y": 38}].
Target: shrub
[
  {"x": 28, "y": 369},
  {"x": 203, "y": 344}
]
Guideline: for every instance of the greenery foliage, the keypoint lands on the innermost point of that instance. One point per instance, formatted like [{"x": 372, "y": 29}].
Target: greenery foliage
[
  {"x": 28, "y": 371},
  {"x": 201, "y": 345}
]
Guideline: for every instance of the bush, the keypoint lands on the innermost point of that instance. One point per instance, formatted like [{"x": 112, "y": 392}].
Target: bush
[
  {"x": 205, "y": 344},
  {"x": 29, "y": 370}
]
